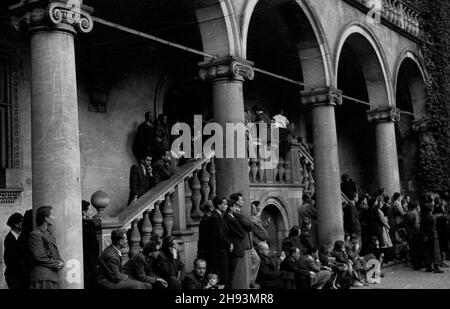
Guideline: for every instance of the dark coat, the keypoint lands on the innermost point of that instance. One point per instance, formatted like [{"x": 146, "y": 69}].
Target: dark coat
[
  {"x": 170, "y": 269},
  {"x": 139, "y": 182},
  {"x": 162, "y": 132},
  {"x": 192, "y": 282},
  {"x": 203, "y": 236},
  {"x": 235, "y": 234},
  {"x": 244, "y": 220},
  {"x": 110, "y": 270},
  {"x": 302, "y": 276},
  {"x": 139, "y": 267},
  {"x": 162, "y": 170},
  {"x": 45, "y": 256},
  {"x": 352, "y": 225},
  {"x": 90, "y": 253},
  {"x": 217, "y": 246},
  {"x": 15, "y": 262},
  {"x": 269, "y": 274},
  {"x": 144, "y": 140}
]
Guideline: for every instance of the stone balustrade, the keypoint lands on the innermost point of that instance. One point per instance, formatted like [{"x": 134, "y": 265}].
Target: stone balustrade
[
  {"x": 174, "y": 211},
  {"x": 398, "y": 12},
  {"x": 296, "y": 169}
]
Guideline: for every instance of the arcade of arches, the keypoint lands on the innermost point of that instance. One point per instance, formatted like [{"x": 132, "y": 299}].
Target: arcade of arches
[{"x": 106, "y": 80}]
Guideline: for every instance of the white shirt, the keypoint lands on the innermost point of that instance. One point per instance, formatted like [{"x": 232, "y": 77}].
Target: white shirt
[
  {"x": 281, "y": 121},
  {"x": 118, "y": 251},
  {"x": 16, "y": 235}
]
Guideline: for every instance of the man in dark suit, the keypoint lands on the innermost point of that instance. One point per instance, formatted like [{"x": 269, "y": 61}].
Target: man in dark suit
[
  {"x": 235, "y": 234},
  {"x": 162, "y": 134},
  {"x": 139, "y": 267},
  {"x": 269, "y": 276},
  {"x": 291, "y": 264},
  {"x": 144, "y": 140},
  {"x": 110, "y": 271},
  {"x": 90, "y": 248},
  {"x": 141, "y": 178},
  {"x": 163, "y": 168},
  {"x": 196, "y": 280},
  {"x": 352, "y": 225},
  {"x": 14, "y": 254},
  {"x": 45, "y": 259},
  {"x": 217, "y": 245}
]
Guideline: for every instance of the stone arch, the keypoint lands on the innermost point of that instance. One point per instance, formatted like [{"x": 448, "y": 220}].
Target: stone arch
[
  {"x": 411, "y": 67},
  {"x": 274, "y": 207},
  {"x": 307, "y": 56},
  {"x": 372, "y": 60},
  {"x": 219, "y": 29}
]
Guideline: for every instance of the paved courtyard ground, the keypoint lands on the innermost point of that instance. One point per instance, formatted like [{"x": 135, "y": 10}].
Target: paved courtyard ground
[{"x": 401, "y": 277}]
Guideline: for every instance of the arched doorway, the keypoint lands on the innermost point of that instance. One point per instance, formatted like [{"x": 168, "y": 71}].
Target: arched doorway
[
  {"x": 410, "y": 97},
  {"x": 299, "y": 54},
  {"x": 274, "y": 223},
  {"x": 360, "y": 75}
]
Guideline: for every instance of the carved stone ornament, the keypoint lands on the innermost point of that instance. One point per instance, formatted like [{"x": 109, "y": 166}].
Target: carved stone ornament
[
  {"x": 228, "y": 68},
  {"x": 68, "y": 15},
  {"x": 384, "y": 114},
  {"x": 322, "y": 96}
]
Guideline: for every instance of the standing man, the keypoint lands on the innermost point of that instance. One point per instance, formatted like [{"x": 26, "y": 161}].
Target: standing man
[
  {"x": 217, "y": 245},
  {"x": 249, "y": 270},
  {"x": 141, "y": 178},
  {"x": 90, "y": 249},
  {"x": 352, "y": 225},
  {"x": 145, "y": 137},
  {"x": 14, "y": 254},
  {"x": 45, "y": 259}
]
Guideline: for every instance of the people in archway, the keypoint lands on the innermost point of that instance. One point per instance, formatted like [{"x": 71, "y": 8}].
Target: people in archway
[
  {"x": 162, "y": 134},
  {"x": 46, "y": 261},
  {"x": 90, "y": 248},
  {"x": 144, "y": 140},
  {"x": 111, "y": 275},
  {"x": 142, "y": 178},
  {"x": 14, "y": 254}
]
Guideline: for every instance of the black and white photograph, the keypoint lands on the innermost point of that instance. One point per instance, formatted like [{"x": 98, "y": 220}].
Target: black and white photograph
[{"x": 243, "y": 146}]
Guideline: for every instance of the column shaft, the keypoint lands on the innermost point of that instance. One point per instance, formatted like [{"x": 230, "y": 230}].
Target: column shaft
[{"x": 55, "y": 145}]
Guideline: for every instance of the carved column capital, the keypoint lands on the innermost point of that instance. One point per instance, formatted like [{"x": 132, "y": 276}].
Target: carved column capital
[
  {"x": 383, "y": 114},
  {"x": 322, "y": 96},
  {"x": 422, "y": 125},
  {"x": 65, "y": 15},
  {"x": 230, "y": 68}
]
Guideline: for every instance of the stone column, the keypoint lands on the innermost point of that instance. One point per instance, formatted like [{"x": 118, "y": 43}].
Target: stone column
[
  {"x": 387, "y": 157},
  {"x": 232, "y": 174},
  {"x": 326, "y": 172},
  {"x": 54, "y": 119},
  {"x": 226, "y": 76}
]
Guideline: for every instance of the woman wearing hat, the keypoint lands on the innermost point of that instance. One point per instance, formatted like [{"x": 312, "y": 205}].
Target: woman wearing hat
[{"x": 13, "y": 257}]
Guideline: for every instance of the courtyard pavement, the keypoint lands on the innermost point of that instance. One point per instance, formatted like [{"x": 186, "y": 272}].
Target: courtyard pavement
[{"x": 401, "y": 277}]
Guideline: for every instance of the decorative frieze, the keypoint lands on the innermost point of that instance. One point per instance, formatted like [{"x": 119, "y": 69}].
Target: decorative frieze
[
  {"x": 322, "y": 96},
  {"x": 66, "y": 15},
  {"x": 383, "y": 114},
  {"x": 226, "y": 68},
  {"x": 9, "y": 196}
]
